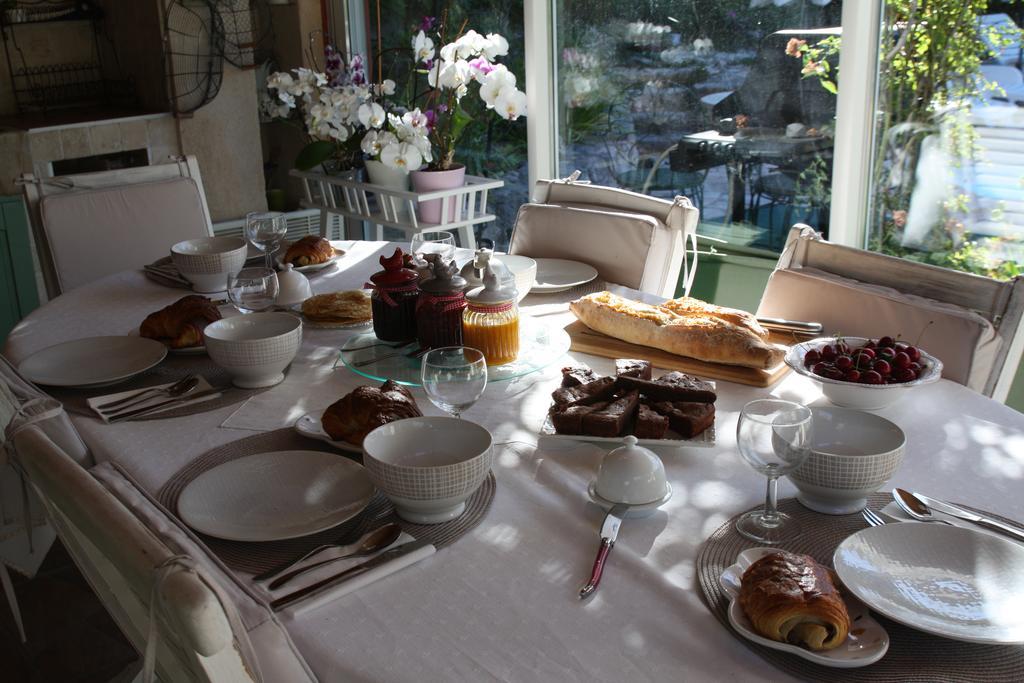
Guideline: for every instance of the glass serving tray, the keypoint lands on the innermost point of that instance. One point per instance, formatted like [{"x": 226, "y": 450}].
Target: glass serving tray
[{"x": 539, "y": 346}]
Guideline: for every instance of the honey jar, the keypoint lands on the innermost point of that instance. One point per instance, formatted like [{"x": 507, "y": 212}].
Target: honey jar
[
  {"x": 393, "y": 300},
  {"x": 491, "y": 320}
]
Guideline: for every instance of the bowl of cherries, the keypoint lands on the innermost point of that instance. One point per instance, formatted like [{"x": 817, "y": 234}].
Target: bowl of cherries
[{"x": 867, "y": 374}]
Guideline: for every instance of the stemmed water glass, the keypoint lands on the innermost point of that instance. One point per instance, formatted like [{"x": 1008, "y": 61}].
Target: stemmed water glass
[
  {"x": 774, "y": 437},
  {"x": 253, "y": 289},
  {"x": 265, "y": 230},
  {"x": 438, "y": 242},
  {"x": 454, "y": 377}
]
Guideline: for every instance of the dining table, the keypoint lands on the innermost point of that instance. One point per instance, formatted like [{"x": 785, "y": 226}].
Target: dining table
[{"x": 502, "y": 603}]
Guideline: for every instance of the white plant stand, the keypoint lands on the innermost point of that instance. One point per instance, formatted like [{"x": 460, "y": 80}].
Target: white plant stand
[{"x": 386, "y": 207}]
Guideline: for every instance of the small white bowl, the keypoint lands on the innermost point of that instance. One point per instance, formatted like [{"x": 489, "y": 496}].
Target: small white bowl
[
  {"x": 523, "y": 269},
  {"x": 854, "y": 394},
  {"x": 256, "y": 348},
  {"x": 428, "y": 466},
  {"x": 206, "y": 262},
  {"x": 631, "y": 474},
  {"x": 853, "y": 454}
]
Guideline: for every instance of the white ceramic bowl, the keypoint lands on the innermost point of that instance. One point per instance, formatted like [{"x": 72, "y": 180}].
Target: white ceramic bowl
[
  {"x": 523, "y": 269},
  {"x": 256, "y": 348},
  {"x": 206, "y": 262},
  {"x": 428, "y": 466},
  {"x": 631, "y": 474},
  {"x": 855, "y": 395},
  {"x": 852, "y": 455}
]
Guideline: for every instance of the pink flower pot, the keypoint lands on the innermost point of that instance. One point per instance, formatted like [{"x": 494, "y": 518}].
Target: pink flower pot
[{"x": 429, "y": 181}]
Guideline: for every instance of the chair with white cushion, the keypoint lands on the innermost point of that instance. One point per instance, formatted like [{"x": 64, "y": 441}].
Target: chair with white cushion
[
  {"x": 91, "y": 225},
  {"x": 971, "y": 323}
]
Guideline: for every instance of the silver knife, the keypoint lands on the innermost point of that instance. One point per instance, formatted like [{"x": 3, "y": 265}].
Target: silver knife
[
  {"x": 351, "y": 572},
  {"x": 117, "y": 417},
  {"x": 960, "y": 513},
  {"x": 609, "y": 532}
]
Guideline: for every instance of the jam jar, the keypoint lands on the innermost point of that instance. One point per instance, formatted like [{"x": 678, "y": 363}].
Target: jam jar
[
  {"x": 490, "y": 322},
  {"x": 393, "y": 300},
  {"x": 439, "y": 308}
]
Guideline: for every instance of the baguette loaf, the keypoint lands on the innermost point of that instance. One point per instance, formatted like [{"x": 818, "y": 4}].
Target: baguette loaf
[
  {"x": 689, "y": 306},
  {"x": 703, "y": 337}
]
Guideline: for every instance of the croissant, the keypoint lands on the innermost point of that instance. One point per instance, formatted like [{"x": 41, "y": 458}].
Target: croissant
[
  {"x": 309, "y": 251},
  {"x": 181, "y": 324},
  {"x": 358, "y": 413},
  {"x": 792, "y": 599}
]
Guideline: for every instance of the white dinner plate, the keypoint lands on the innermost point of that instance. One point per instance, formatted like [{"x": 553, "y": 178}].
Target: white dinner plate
[
  {"x": 338, "y": 253},
  {"x": 558, "y": 275},
  {"x": 941, "y": 579},
  {"x": 93, "y": 361},
  {"x": 867, "y": 643},
  {"x": 309, "y": 425},
  {"x": 276, "y": 495}
]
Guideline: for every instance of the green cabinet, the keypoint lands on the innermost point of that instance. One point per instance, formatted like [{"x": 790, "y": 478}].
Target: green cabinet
[{"x": 18, "y": 293}]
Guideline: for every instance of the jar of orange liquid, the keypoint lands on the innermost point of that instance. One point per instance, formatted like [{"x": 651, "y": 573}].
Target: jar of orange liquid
[{"x": 490, "y": 322}]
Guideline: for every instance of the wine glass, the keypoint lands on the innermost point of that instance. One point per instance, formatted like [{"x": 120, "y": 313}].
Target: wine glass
[
  {"x": 439, "y": 242},
  {"x": 265, "y": 230},
  {"x": 774, "y": 437},
  {"x": 253, "y": 289},
  {"x": 454, "y": 377}
]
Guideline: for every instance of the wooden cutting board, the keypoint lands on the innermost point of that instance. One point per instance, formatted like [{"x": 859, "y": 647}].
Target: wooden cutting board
[{"x": 586, "y": 340}]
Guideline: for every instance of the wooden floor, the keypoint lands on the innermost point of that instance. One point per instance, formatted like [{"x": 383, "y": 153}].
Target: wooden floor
[{"x": 71, "y": 638}]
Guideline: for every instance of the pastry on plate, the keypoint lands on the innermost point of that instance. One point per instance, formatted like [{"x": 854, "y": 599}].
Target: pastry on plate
[
  {"x": 181, "y": 325},
  {"x": 365, "y": 408},
  {"x": 350, "y": 306},
  {"x": 309, "y": 251},
  {"x": 793, "y": 599}
]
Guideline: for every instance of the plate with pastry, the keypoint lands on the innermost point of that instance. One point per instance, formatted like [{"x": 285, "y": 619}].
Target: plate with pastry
[
  {"x": 790, "y": 602},
  {"x": 347, "y": 421},
  {"x": 310, "y": 253},
  {"x": 673, "y": 410},
  {"x": 341, "y": 310},
  {"x": 180, "y": 325}
]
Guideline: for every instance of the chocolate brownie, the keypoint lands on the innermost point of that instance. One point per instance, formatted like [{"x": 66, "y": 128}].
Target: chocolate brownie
[
  {"x": 575, "y": 375},
  {"x": 672, "y": 386},
  {"x": 570, "y": 420},
  {"x": 598, "y": 390},
  {"x": 629, "y": 367},
  {"x": 687, "y": 418},
  {"x": 649, "y": 423},
  {"x": 611, "y": 420}
]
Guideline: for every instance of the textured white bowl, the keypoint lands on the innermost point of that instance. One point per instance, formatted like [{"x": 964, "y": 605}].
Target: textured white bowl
[
  {"x": 256, "y": 348},
  {"x": 206, "y": 262},
  {"x": 852, "y": 455},
  {"x": 853, "y": 394},
  {"x": 523, "y": 269},
  {"x": 631, "y": 474},
  {"x": 428, "y": 466}
]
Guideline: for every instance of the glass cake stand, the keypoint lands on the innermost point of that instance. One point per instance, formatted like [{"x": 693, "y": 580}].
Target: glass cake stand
[{"x": 539, "y": 346}]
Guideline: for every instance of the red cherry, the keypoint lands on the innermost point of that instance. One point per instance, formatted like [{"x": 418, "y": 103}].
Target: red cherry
[
  {"x": 882, "y": 367},
  {"x": 914, "y": 353},
  {"x": 916, "y": 367},
  {"x": 811, "y": 357},
  {"x": 869, "y": 344},
  {"x": 886, "y": 341},
  {"x": 871, "y": 377},
  {"x": 821, "y": 369},
  {"x": 903, "y": 375},
  {"x": 901, "y": 360},
  {"x": 900, "y": 346},
  {"x": 845, "y": 362},
  {"x": 828, "y": 353},
  {"x": 852, "y": 375},
  {"x": 887, "y": 353},
  {"x": 842, "y": 347},
  {"x": 870, "y": 353}
]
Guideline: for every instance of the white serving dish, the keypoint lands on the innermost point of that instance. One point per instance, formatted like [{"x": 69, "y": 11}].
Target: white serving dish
[
  {"x": 705, "y": 439},
  {"x": 940, "y": 579},
  {"x": 855, "y": 395},
  {"x": 428, "y": 466},
  {"x": 852, "y": 454},
  {"x": 866, "y": 647},
  {"x": 634, "y": 511},
  {"x": 276, "y": 495},
  {"x": 207, "y": 262},
  {"x": 310, "y": 425},
  {"x": 557, "y": 275},
  {"x": 524, "y": 271},
  {"x": 255, "y": 348},
  {"x": 92, "y": 361}
]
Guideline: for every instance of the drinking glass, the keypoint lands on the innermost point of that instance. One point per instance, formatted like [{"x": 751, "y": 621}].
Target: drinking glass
[
  {"x": 265, "y": 230},
  {"x": 454, "y": 377},
  {"x": 253, "y": 289},
  {"x": 774, "y": 437},
  {"x": 439, "y": 242}
]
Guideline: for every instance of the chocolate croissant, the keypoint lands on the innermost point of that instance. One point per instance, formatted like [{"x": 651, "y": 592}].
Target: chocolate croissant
[
  {"x": 308, "y": 251},
  {"x": 181, "y": 324},
  {"x": 364, "y": 409},
  {"x": 792, "y": 599}
]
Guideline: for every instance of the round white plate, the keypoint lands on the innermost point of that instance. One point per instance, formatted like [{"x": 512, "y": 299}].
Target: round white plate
[
  {"x": 338, "y": 253},
  {"x": 93, "y": 361},
  {"x": 558, "y": 275},
  {"x": 309, "y": 425},
  {"x": 634, "y": 510},
  {"x": 867, "y": 643},
  {"x": 944, "y": 580},
  {"x": 275, "y": 496}
]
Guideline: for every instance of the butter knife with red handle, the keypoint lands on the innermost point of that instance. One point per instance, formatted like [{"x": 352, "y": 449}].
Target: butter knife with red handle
[{"x": 609, "y": 532}]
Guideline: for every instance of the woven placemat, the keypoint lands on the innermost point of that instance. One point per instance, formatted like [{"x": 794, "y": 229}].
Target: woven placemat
[
  {"x": 171, "y": 369},
  {"x": 259, "y": 557},
  {"x": 913, "y": 655}
]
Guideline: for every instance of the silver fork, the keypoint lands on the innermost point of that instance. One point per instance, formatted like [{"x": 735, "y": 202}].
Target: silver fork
[
  {"x": 145, "y": 395},
  {"x": 871, "y": 518}
]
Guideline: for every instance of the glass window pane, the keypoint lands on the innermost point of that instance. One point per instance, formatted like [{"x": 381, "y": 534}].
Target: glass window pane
[{"x": 729, "y": 103}]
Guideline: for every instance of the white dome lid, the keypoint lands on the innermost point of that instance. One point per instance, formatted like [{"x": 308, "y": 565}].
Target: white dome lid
[{"x": 631, "y": 474}]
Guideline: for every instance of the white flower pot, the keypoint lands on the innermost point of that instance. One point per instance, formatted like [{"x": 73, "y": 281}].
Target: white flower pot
[{"x": 381, "y": 174}]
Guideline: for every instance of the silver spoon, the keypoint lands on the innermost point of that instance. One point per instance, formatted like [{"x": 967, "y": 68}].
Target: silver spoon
[
  {"x": 378, "y": 539},
  {"x": 182, "y": 386},
  {"x": 909, "y": 503}
]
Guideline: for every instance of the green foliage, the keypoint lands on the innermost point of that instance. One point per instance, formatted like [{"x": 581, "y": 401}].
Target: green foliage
[{"x": 314, "y": 154}]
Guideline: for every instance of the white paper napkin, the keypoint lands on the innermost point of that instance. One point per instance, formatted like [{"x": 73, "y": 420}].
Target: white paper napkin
[{"x": 203, "y": 385}]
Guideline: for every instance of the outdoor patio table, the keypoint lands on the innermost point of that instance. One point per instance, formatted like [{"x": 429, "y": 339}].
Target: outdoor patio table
[{"x": 501, "y": 603}]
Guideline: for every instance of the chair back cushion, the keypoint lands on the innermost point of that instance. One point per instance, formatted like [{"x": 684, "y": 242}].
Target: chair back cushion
[{"x": 97, "y": 232}]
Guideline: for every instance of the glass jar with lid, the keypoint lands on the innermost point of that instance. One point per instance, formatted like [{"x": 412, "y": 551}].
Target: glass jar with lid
[
  {"x": 440, "y": 306},
  {"x": 393, "y": 300},
  {"x": 490, "y": 322}
]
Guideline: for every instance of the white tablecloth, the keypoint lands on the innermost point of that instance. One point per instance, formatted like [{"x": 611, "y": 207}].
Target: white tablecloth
[{"x": 501, "y": 603}]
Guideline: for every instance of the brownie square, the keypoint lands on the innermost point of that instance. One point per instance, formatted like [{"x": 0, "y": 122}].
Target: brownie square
[
  {"x": 612, "y": 420},
  {"x": 649, "y": 423},
  {"x": 687, "y": 418},
  {"x": 570, "y": 420},
  {"x": 598, "y": 390},
  {"x": 672, "y": 387},
  {"x": 630, "y": 367},
  {"x": 575, "y": 375}
]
